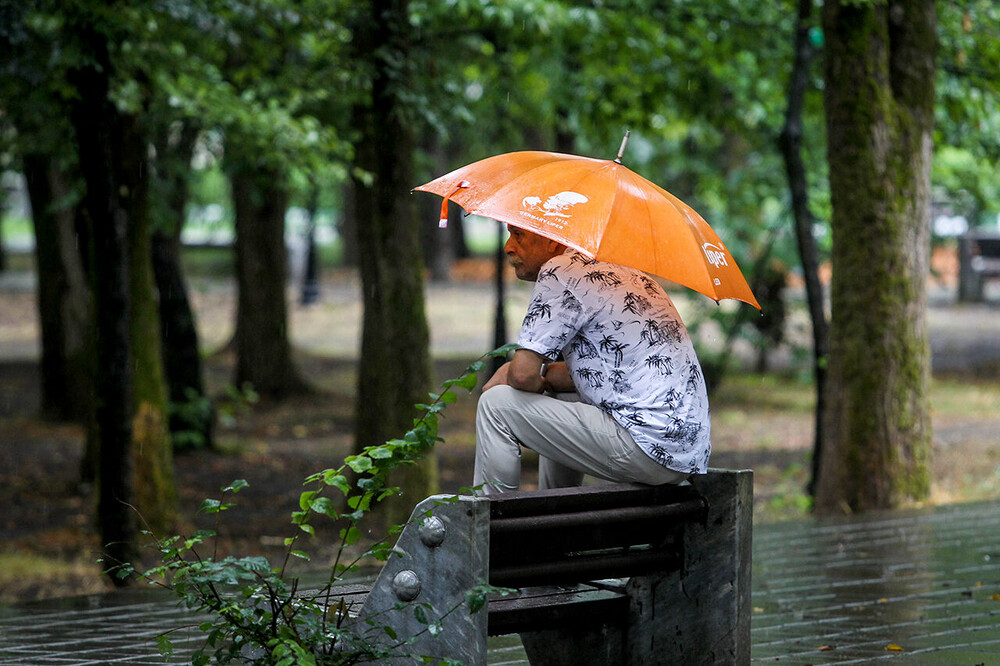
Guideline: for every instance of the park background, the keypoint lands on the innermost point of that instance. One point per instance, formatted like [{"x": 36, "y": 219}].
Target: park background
[{"x": 278, "y": 106}]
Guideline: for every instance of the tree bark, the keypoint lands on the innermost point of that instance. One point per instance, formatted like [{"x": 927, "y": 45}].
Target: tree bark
[
  {"x": 191, "y": 415},
  {"x": 394, "y": 371},
  {"x": 879, "y": 105},
  {"x": 790, "y": 142},
  {"x": 263, "y": 349},
  {"x": 64, "y": 305},
  {"x": 156, "y": 494},
  {"x": 94, "y": 121}
]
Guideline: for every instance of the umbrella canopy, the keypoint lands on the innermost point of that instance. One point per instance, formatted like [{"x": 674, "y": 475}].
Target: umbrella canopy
[{"x": 601, "y": 208}]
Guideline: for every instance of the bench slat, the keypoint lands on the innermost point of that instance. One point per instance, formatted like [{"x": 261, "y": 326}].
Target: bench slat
[
  {"x": 525, "y": 525},
  {"x": 585, "y": 498},
  {"x": 582, "y": 568},
  {"x": 553, "y": 607}
]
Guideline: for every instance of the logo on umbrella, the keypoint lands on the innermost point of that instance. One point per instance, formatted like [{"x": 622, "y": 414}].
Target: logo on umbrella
[
  {"x": 715, "y": 254},
  {"x": 556, "y": 205}
]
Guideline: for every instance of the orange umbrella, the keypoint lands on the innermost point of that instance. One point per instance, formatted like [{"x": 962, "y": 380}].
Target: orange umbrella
[{"x": 602, "y": 209}]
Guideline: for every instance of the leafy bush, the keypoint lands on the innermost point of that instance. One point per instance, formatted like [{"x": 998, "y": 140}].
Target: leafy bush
[{"x": 258, "y": 613}]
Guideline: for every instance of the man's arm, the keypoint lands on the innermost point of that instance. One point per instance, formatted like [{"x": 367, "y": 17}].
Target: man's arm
[{"x": 524, "y": 372}]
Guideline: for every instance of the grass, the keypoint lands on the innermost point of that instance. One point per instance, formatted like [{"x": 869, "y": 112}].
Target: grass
[{"x": 21, "y": 572}]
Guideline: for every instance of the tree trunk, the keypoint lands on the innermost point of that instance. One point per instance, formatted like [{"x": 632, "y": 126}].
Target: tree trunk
[
  {"x": 64, "y": 305},
  {"x": 263, "y": 349},
  {"x": 395, "y": 359},
  {"x": 156, "y": 494},
  {"x": 94, "y": 120},
  {"x": 879, "y": 105},
  {"x": 790, "y": 143},
  {"x": 191, "y": 414}
]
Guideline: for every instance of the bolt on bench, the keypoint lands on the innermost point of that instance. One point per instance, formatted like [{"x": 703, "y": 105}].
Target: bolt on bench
[{"x": 613, "y": 574}]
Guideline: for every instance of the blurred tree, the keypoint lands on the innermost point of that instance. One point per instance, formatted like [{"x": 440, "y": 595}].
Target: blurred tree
[
  {"x": 100, "y": 132},
  {"x": 395, "y": 370},
  {"x": 263, "y": 347},
  {"x": 41, "y": 136},
  {"x": 966, "y": 175},
  {"x": 191, "y": 413},
  {"x": 790, "y": 141},
  {"x": 64, "y": 299},
  {"x": 880, "y": 72}
]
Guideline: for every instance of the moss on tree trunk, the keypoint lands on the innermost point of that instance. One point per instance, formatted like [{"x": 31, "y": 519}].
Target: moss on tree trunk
[
  {"x": 879, "y": 102},
  {"x": 155, "y": 489},
  {"x": 395, "y": 356}
]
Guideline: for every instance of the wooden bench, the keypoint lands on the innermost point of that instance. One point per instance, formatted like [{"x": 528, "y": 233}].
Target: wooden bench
[
  {"x": 615, "y": 574},
  {"x": 978, "y": 260}
]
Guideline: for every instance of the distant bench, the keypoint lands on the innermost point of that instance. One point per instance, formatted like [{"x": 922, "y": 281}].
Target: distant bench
[
  {"x": 614, "y": 574},
  {"x": 979, "y": 260}
]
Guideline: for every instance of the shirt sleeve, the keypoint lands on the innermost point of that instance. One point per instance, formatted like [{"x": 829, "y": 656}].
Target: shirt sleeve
[{"x": 554, "y": 316}]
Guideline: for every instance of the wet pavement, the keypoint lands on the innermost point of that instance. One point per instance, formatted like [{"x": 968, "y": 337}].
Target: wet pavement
[
  {"x": 920, "y": 587},
  {"x": 911, "y": 587}
]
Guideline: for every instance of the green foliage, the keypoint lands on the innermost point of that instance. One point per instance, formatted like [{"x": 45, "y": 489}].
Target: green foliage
[
  {"x": 193, "y": 415},
  {"x": 238, "y": 400},
  {"x": 258, "y": 613}
]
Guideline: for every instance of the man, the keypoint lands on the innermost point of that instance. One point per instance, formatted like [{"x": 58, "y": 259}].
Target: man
[{"x": 641, "y": 414}]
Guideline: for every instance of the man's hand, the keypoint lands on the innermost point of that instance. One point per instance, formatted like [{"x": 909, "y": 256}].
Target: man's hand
[
  {"x": 499, "y": 377},
  {"x": 524, "y": 373}
]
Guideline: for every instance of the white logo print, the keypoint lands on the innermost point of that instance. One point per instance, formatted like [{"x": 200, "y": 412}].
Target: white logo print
[
  {"x": 715, "y": 254},
  {"x": 556, "y": 205}
]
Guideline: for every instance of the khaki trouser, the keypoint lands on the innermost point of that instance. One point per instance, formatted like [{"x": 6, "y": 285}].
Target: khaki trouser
[{"x": 570, "y": 437}]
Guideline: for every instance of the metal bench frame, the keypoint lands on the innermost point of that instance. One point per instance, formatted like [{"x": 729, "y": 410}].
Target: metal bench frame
[{"x": 686, "y": 597}]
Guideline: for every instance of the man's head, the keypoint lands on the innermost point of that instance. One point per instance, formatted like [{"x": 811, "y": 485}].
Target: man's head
[{"x": 527, "y": 251}]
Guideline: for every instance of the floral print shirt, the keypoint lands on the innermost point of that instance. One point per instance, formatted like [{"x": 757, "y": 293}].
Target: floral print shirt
[{"x": 627, "y": 351}]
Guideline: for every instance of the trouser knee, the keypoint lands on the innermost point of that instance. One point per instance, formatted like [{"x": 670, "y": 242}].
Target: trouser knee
[{"x": 492, "y": 402}]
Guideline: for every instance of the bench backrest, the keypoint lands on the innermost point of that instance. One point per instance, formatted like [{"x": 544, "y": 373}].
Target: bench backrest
[
  {"x": 572, "y": 535},
  {"x": 986, "y": 247}
]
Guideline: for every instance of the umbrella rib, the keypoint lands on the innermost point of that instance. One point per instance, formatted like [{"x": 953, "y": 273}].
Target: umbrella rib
[{"x": 672, "y": 201}]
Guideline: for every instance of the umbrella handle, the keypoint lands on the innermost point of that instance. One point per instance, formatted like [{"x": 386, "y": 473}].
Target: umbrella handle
[{"x": 621, "y": 150}]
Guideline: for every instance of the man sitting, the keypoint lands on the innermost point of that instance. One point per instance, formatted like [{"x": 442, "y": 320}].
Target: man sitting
[{"x": 627, "y": 403}]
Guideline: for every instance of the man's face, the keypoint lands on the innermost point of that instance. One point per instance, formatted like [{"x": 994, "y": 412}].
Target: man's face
[{"x": 527, "y": 251}]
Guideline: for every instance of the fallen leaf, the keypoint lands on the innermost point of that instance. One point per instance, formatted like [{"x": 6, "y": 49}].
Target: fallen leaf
[
  {"x": 758, "y": 609},
  {"x": 995, "y": 597},
  {"x": 883, "y": 600},
  {"x": 826, "y": 648},
  {"x": 892, "y": 647}
]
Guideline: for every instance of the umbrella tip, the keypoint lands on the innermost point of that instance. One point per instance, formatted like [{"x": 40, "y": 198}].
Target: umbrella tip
[{"x": 621, "y": 150}]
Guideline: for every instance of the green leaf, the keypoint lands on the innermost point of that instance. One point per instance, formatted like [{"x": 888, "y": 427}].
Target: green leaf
[
  {"x": 306, "y": 499},
  {"x": 301, "y": 555},
  {"x": 359, "y": 464},
  {"x": 350, "y": 535},
  {"x": 380, "y": 452},
  {"x": 420, "y": 614},
  {"x": 210, "y": 506},
  {"x": 165, "y": 647},
  {"x": 325, "y": 506},
  {"x": 236, "y": 486},
  {"x": 475, "y": 599},
  {"x": 338, "y": 481},
  {"x": 468, "y": 381}
]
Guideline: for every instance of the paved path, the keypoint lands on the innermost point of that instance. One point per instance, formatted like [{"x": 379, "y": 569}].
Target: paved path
[
  {"x": 852, "y": 592},
  {"x": 911, "y": 587}
]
